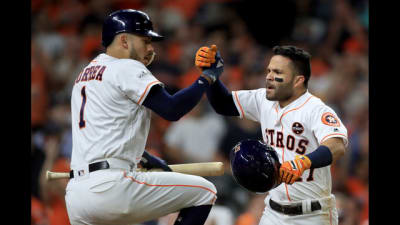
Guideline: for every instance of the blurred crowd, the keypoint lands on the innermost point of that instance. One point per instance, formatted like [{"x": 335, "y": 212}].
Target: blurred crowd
[{"x": 66, "y": 35}]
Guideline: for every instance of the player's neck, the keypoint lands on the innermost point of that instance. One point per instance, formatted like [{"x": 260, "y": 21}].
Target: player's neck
[
  {"x": 295, "y": 96},
  {"x": 117, "y": 53}
]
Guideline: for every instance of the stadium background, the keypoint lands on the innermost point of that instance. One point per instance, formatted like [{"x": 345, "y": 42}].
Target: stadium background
[{"x": 66, "y": 35}]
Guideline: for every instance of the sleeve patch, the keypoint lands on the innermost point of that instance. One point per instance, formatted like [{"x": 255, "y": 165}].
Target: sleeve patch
[{"x": 330, "y": 119}]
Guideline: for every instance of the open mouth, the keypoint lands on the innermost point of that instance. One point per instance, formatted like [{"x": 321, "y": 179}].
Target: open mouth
[{"x": 270, "y": 87}]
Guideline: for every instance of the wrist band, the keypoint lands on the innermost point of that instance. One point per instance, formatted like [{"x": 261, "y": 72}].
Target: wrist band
[{"x": 321, "y": 157}]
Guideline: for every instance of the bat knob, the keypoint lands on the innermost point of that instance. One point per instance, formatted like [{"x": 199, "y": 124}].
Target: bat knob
[{"x": 47, "y": 175}]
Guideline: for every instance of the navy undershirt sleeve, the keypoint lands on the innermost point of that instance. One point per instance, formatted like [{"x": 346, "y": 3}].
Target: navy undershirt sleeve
[
  {"x": 173, "y": 107},
  {"x": 221, "y": 99},
  {"x": 321, "y": 157}
]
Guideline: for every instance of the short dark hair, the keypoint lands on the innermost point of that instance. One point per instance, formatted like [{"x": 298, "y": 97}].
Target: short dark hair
[{"x": 299, "y": 57}]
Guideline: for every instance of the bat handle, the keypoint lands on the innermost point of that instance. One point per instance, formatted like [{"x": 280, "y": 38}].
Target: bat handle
[{"x": 54, "y": 175}]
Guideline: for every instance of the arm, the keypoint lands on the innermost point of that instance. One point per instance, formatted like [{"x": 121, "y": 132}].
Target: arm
[
  {"x": 328, "y": 152},
  {"x": 221, "y": 100},
  {"x": 337, "y": 150},
  {"x": 173, "y": 107},
  {"x": 219, "y": 97}
]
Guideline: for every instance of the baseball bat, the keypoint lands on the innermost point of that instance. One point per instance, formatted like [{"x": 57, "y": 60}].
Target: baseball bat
[{"x": 206, "y": 169}]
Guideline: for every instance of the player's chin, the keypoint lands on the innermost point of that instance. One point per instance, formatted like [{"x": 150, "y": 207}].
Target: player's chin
[
  {"x": 270, "y": 95},
  {"x": 145, "y": 61}
]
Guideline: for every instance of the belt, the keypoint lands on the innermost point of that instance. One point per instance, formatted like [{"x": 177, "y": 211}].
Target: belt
[
  {"x": 93, "y": 167},
  {"x": 294, "y": 209}
]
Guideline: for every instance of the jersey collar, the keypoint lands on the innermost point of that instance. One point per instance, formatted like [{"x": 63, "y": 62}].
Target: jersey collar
[{"x": 297, "y": 102}]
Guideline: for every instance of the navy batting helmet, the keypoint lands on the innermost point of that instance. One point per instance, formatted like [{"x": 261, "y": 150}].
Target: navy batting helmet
[
  {"x": 128, "y": 21},
  {"x": 255, "y": 166}
]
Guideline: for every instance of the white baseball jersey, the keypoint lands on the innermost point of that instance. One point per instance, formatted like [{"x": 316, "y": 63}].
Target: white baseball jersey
[
  {"x": 108, "y": 119},
  {"x": 297, "y": 129},
  {"x": 110, "y": 123}
]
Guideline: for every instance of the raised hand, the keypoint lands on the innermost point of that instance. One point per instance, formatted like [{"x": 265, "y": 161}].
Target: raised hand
[{"x": 205, "y": 56}]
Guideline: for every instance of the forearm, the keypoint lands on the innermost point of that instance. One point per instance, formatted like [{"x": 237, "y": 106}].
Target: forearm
[
  {"x": 336, "y": 146},
  {"x": 221, "y": 99},
  {"x": 173, "y": 107},
  {"x": 327, "y": 153}
]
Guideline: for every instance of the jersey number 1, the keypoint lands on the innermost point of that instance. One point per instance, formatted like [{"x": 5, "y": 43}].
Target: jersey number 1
[
  {"x": 310, "y": 176},
  {"x": 82, "y": 122}
]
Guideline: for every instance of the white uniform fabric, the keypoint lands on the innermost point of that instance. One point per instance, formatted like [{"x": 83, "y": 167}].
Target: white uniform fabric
[
  {"x": 116, "y": 124},
  {"x": 298, "y": 128},
  {"x": 110, "y": 123}
]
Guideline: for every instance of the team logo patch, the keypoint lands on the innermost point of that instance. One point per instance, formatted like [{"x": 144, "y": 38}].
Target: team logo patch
[
  {"x": 330, "y": 119},
  {"x": 297, "y": 128}
]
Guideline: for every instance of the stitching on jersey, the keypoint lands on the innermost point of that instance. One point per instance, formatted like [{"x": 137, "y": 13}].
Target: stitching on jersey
[
  {"x": 167, "y": 185},
  {"x": 240, "y": 106},
  {"x": 145, "y": 91},
  {"x": 280, "y": 120},
  {"x": 283, "y": 159},
  {"x": 331, "y": 135},
  {"x": 283, "y": 149}
]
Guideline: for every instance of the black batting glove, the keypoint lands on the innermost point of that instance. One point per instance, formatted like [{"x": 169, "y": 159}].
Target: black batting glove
[
  {"x": 149, "y": 161},
  {"x": 216, "y": 69}
]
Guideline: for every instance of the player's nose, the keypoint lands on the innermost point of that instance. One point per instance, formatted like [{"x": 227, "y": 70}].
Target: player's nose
[
  {"x": 150, "y": 48},
  {"x": 269, "y": 76}
]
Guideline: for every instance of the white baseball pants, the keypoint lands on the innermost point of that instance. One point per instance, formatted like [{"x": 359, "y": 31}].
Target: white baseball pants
[{"x": 117, "y": 196}]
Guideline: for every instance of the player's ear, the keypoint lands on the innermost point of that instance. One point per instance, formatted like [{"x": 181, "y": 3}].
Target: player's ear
[
  {"x": 124, "y": 40},
  {"x": 299, "y": 80}
]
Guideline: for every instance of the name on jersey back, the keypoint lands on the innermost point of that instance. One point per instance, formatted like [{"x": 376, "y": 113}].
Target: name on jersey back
[{"x": 91, "y": 73}]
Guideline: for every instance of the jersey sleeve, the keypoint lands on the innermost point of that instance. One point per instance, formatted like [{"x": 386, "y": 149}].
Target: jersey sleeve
[
  {"x": 326, "y": 124},
  {"x": 248, "y": 103},
  {"x": 135, "y": 81}
]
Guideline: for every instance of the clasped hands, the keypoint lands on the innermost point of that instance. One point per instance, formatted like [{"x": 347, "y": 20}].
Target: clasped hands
[{"x": 209, "y": 62}]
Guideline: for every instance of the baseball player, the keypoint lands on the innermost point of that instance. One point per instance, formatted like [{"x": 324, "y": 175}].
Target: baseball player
[
  {"x": 306, "y": 134},
  {"x": 111, "y": 106}
]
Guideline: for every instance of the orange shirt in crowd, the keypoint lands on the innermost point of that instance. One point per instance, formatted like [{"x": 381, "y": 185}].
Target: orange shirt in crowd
[{"x": 246, "y": 219}]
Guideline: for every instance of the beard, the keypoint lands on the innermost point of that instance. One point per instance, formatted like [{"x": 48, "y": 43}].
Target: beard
[
  {"x": 147, "y": 60},
  {"x": 281, "y": 93},
  {"x": 133, "y": 55}
]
